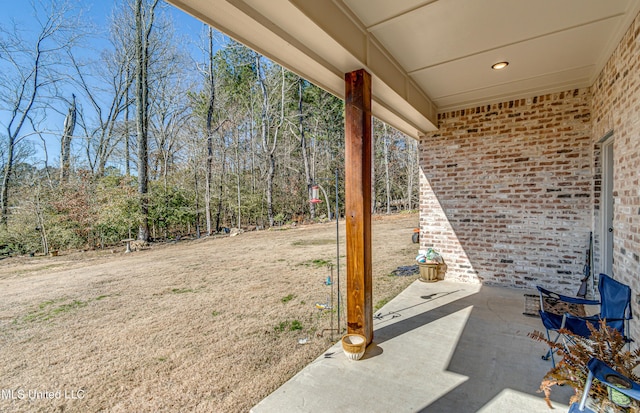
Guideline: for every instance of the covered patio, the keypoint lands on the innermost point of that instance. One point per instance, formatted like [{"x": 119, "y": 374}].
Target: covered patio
[
  {"x": 518, "y": 167},
  {"x": 439, "y": 347}
]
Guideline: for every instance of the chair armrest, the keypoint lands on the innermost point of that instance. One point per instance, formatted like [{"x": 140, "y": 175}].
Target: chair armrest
[
  {"x": 593, "y": 318},
  {"x": 608, "y": 376},
  {"x": 578, "y": 325},
  {"x": 565, "y": 298}
]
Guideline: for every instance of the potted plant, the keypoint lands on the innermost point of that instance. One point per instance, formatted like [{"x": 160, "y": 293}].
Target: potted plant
[
  {"x": 428, "y": 262},
  {"x": 606, "y": 344}
]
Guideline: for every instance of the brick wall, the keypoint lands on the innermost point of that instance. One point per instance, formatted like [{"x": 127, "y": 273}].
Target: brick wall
[
  {"x": 616, "y": 108},
  {"x": 507, "y": 190},
  {"x": 510, "y": 191}
]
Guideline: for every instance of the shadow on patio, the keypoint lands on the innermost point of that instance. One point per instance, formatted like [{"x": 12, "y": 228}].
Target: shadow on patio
[{"x": 438, "y": 347}]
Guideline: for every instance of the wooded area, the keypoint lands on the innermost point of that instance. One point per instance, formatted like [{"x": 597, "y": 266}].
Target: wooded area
[{"x": 158, "y": 141}]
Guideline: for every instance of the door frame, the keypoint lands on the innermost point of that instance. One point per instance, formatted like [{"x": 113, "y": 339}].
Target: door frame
[{"x": 607, "y": 203}]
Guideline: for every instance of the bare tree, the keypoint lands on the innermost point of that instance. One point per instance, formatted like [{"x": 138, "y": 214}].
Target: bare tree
[
  {"x": 169, "y": 105},
  {"x": 270, "y": 130},
  {"x": 303, "y": 147},
  {"x": 170, "y": 116},
  {"x": 396, "y": 159},
  {"x": 30, "y": 69},
  {"x": 257, "y": 142},
  {"x": 107, "y": 79}
]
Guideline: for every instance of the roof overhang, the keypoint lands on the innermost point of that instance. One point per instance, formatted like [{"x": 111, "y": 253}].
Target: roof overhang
[{"x": 297, "y": 37}]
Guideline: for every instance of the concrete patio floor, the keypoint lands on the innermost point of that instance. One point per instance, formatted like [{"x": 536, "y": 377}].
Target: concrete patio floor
[{"x": 438, "y": 347}]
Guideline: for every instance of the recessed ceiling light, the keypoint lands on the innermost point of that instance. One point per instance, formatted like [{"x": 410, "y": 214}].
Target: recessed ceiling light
[{"x": 500, "y": 65}]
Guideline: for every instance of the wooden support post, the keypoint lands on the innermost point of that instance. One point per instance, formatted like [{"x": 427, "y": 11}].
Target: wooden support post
[{"x": 358, "y": 202}]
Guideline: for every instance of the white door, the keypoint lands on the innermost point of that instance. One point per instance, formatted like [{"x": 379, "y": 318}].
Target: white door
[{"x": 607, "y": 207}]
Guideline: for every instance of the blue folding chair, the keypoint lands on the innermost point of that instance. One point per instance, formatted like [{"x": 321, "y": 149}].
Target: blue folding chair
[
  {"x": 554, "y": 322},
  {"x": 615, "y": 309},
  {"x": 610, "y": 378}
]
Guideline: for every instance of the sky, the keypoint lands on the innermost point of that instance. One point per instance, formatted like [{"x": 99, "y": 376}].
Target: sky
[{"x": 96, "y": 12}]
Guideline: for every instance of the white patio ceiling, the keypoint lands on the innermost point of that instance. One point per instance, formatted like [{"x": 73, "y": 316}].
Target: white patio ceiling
[{"x": 427, "y": 56}]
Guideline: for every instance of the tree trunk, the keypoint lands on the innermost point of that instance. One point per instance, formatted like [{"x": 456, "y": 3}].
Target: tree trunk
[
  {"x": 264, "y": 132},
  {"x": 143, "y": 228},
  {"x": 387, "y": 180},
  {"x": 65, "y": 145},
  {"x": 254, "y": 184},
  {"x": 305, "y": 155},
  {"x": 411, "y": 162},
  {"x": 271, "y": 171},
  {"x": 238, "y": 175},
  {"x": 143, "y": 31},
  {"x": 197, "y": 200},
  {"x": 209, "y": 126},
  {"x": 222, "y": 175},
  {"x": 41, "y": 224},
  {"x": 127, "y": 154},
  {"x": 373, "y": 185},
  {"x": 6, "y": 178},
  {"x": 207, "y": 183}
]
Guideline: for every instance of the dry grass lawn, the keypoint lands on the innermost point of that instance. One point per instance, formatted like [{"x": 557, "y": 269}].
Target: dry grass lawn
[{"x": 209, "y": 325}]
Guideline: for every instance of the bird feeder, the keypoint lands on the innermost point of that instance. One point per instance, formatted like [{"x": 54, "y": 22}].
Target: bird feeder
[{"x": 314, "y": 195}]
